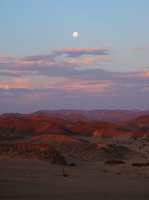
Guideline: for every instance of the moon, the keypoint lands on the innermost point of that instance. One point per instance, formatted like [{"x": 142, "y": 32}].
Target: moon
[{"x": 75, "y": 34}]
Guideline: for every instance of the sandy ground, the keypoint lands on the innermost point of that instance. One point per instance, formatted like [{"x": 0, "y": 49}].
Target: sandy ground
[{"x": 31, "y": 179}]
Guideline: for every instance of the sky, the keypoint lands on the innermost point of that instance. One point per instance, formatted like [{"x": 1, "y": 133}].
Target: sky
[{"x": 43, "y": 67}]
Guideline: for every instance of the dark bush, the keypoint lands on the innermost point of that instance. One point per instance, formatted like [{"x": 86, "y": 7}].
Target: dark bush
[
  {"x": 114, "y": 162},
  {"x": 110, "y": 145},
  {"x": 140, "y": 164},
  {"x": 72, "y": 164}
]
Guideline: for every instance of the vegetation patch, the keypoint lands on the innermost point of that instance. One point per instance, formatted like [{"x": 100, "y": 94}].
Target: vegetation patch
[
  {"x": 140, "y": 164},
  {"x": 114, "y": 162},
  {"x": 134, "y": 138},
  {"x": 109, "y": 145}
]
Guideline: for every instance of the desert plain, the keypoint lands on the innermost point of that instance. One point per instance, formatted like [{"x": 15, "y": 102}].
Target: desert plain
[{"x": 54, "y": 160}]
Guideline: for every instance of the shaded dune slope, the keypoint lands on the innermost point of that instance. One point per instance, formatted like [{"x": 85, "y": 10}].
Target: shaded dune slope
[
  {"x": 140, "y": 125},
  {"x": 41, "y": 152},
  {"x": 140, "y": 122},
  {"x": 77, "y": 148}
]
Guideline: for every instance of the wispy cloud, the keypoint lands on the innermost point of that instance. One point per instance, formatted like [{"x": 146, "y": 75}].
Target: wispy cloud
[
  {"x": 15, "y": 74},
  {"x": 69, "y": 52},
  {"x": 75, "y": 52},
  {"x": 138, "y": 48}
]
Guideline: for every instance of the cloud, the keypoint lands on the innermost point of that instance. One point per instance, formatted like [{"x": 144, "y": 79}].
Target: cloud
[
  {"x": 138, "y": 48},
  {"x": 75, "y": 52},
  {"x": 69, "y": 52},
  {"x": 38, "y": 57},
  {"x": 15, "y": 74},
  {"x": 19, "y": 80},
  {"x": 6, "y": 58},
  {"x": 87, "y": 81},
  {"x": 42, "y": 62},
  {"x": 87, "y": 61},
  {"x": 25, "y": 83}
]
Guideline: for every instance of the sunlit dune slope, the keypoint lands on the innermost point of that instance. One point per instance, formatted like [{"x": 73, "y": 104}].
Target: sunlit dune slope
[
  {"x": 139, "y": 133},
  {"x": 25, "y": 126},
  {"x": 97, "y": 129}
]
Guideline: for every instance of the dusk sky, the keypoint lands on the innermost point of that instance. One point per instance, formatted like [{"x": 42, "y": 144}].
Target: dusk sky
[{"x": 43, "y": 67}]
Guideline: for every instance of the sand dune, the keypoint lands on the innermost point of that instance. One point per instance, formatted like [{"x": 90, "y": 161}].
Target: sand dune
[
  {"x": 77, "y": 148},
  {"x": 25, "y": 126},
  {"x": 97, "y": 129},
  {"x": 140, "y": 122},
  {"x": 32, "y": 151}
]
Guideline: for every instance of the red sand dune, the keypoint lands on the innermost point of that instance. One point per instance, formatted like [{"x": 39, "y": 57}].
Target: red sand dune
[
  {"x": 25, "y": 126},
  {"x": 140, "y": 122},
  {"x": 139, "y": 134},
  {"x": 97, "y": 129},
  {"x": 40, "y": 125}
]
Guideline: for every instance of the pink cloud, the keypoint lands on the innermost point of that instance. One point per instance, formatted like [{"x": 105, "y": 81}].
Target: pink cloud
[
  {"x": 63, "y": 85},
  {"x": 138, "y": 48},
  {"x": 22, "y": 83},
  {"x": 74, "y": 52},
  {"x": 87, "y": 61},
  {"x": 6, "y": 58}
]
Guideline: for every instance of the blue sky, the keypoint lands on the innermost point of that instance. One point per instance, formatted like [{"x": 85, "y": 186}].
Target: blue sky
[{"x": 118, "y": 30}]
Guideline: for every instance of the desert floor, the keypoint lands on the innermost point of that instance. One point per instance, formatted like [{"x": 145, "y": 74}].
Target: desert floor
[{"x": 89, "y": 180}]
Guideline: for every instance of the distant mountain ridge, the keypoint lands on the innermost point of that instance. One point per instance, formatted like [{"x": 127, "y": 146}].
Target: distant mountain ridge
[{"x": 74, "y": 116}]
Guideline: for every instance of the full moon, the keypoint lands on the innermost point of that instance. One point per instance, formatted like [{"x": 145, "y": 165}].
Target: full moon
[{"x": 75, "y": 34}]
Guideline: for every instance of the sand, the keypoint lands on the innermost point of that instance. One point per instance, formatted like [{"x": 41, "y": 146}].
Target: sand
[{"x": 89, "y": 180}]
